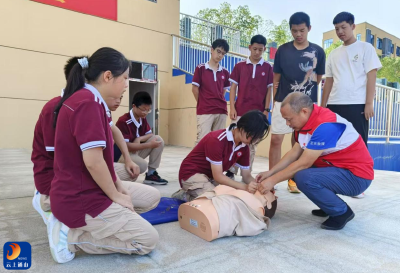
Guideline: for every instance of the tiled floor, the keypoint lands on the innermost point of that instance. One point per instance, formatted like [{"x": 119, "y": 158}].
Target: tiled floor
[{"x": 294, "y": 243}]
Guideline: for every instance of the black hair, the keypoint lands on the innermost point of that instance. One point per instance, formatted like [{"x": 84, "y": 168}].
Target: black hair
[
  {"x": 70, "y": 64},
  {"x": 102, "y": 60},
  {"x": 255, "y": 124},
  {"x": 259, "y": 39},
  {"x": 141, "y": 98},
  {"x": 344, "y": 17},
  {"x": 299, "y": 18},
  {"x": 221, "y": 43}
]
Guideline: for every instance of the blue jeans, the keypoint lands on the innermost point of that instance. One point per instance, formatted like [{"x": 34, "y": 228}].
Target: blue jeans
[{"x": 321, "y": 186}]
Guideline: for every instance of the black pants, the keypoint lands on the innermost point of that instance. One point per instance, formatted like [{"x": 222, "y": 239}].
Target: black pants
[{"x": 354, "y": 113}]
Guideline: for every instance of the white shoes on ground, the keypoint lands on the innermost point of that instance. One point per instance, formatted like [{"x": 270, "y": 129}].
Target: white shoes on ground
[{"x": 58, "y": 240}]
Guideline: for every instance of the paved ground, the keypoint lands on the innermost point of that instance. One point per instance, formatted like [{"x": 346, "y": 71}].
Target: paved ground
[{"x": 294, "y": 243}]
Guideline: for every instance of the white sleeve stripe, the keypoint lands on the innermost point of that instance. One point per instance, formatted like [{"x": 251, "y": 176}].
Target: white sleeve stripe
[
  {"x": 242, "y": 167},
  {"x": 214, "y": 162},
  {"x": 111, "y": 123},
  {"x": 235, "y": 82},
  {"x": 195, "y": 83},
  {"x": 93, "y": 144},
  {"x": 49, "y": 149},
  {"x": 126, "y": 140},
  {"x": 149, "y": 132},
  {"x": 226, "y": 88},
  {"x": 271, "y": 84}
]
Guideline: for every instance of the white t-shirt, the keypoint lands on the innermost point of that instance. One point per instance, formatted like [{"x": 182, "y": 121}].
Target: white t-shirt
[{"x": 349, "y": 65}]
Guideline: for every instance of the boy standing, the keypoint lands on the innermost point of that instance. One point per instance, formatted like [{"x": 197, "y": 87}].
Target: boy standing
[
  {"x": 209, "y": 85},
  {"x": 351, "y": 70},
  {"x": 299, "y": 66},
  {"x": 140, "y": 140},
  {"x": 252, "y": 77}
]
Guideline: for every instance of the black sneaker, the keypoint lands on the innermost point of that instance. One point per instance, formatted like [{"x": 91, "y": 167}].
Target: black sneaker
[
  {"x": 319, "y": 213},
  {"x": 230, "y": 174},
  {"x": 154, "y": 179},
  {"x": 338, "y": 222}
]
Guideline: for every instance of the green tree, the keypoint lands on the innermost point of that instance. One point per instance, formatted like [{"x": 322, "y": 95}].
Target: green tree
[
  {"x": 332, "y": 47},
  {"x": 239, "y": 18},
  {"x": 390, "y": 69},
  {"x": 281, "y": 33}
]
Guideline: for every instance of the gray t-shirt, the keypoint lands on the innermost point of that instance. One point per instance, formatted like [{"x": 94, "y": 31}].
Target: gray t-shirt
[{"x": 299, "y": 70}]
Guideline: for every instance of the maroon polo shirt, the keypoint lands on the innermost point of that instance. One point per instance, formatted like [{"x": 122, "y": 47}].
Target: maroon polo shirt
[
  {"x": 253, "y": 81},
  {"x": 43, "y": 147},
  {"x": 216, "y": 148},
  {"x": 131, "y": 128},
  {"x": 212, "y": 85},
  {"x": 83, "y": 123}
]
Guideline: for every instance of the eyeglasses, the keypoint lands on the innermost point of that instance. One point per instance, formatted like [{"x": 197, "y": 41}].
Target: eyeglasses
[{"x": 144, "y": 111}]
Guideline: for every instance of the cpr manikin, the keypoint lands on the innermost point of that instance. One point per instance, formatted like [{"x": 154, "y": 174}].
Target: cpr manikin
[{"x": 226, "y": 211}]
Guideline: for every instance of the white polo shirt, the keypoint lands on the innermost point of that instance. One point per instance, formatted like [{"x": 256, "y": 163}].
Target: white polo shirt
[{"x": 349, "y": 65}]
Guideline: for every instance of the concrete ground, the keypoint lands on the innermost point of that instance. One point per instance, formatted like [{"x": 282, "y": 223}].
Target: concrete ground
[{"x": 294, "y": 243}]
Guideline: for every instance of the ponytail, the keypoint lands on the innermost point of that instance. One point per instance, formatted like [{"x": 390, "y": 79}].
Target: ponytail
[
  {"x": 232, "y": 126},
  {"x": 89, "y": 69},
  {"x": 75, "y": 82}
]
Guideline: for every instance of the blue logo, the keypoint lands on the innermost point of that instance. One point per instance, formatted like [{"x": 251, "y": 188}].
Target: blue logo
[{"x": 17, "y": 255}]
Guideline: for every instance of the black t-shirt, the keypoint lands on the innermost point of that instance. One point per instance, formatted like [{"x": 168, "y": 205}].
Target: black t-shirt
[{"x": 299, "y": 70}]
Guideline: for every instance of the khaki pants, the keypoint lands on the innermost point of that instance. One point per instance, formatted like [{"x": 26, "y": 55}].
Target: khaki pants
[
  {"x": 154, "y": 159},
  {"x": 118, "y": 229},
  {"x": 45, "y": 202},
  {"x": 196, "y": 185},
  {"x": 209, "y": 123},
  {"x": 122, "y": 173},
  {"x": 252, "y": 148}
]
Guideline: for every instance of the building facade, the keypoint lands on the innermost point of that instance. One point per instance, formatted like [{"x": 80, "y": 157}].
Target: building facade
[{"x": 385, "y": 43}]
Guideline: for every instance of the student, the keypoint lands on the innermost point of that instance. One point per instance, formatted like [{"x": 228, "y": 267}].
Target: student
[
  {"x": 218, "y": 151},
  {"x": 253, "y": 77},
  {"x": 329, "y": 158},
  {"x": 92, "y": 209},
  {"x": 43, "y": 153},
  {"x": 349, "y": 89},
  {"x": 140, "y": 140},
  {"x": 210, "y": 82},
  {"x": 351, "y": 69},
  {"x": 299, "y": 66}
]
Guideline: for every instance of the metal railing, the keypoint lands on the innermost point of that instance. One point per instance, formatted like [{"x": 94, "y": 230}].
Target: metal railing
[
  {"x": 203, "y": 31},
  {"x": 386, "y": 121},
  {"x": 188, "y": 54}
]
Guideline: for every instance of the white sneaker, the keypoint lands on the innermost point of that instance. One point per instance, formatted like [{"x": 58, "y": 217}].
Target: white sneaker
[
  {"x": 360, "y": 196},
  {"x": 58, "y": 241},
  {"x": 36, "y": 205}
]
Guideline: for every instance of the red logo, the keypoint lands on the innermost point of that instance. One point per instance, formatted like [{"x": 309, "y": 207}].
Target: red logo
[
  {"x": 263, "y": 73},
  {"x": 239, "y": 154},
  {"x": 223, "y": 77}
]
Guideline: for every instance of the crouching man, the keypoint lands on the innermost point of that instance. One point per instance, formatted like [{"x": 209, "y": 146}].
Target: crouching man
[{"x": 329, "y": 158}]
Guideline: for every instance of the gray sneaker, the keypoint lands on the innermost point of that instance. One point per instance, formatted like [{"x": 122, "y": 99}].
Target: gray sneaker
[{"x": 181, "y": 195}]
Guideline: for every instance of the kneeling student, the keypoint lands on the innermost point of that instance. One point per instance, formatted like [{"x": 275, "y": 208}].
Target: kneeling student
[
  {"x": 92, "y": 209},
  {"x": 203, "y": 168},
  {"x": 43, "y": 151}
]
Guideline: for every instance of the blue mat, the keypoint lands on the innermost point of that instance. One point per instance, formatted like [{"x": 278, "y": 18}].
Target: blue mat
[{"x": 165, "y": 212}]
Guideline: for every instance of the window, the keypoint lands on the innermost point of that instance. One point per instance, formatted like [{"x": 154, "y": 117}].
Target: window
[
  {"x": 328, "y": 43},
  {"x": 372, "y": 40},
  {"x": 392, "y": 49},
  {"x": 398, "y": 51},
  {"x": 359, "y": 37},
  {"x": 378, "y": 43}
]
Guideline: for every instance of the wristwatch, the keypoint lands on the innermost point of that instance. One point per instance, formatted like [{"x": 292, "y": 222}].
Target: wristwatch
[{"x": 268, "y": 110}]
